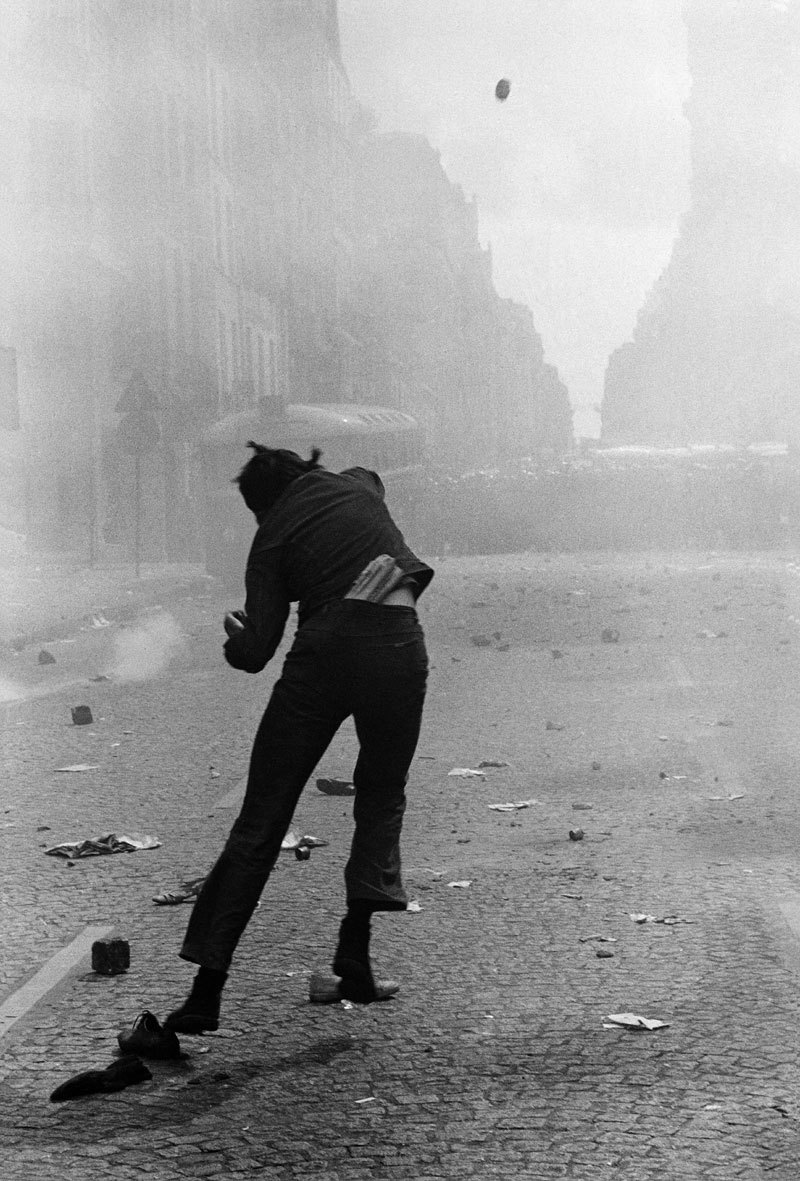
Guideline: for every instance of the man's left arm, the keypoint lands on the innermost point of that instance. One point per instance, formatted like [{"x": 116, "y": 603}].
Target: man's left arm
[{"x": 251, "y": 646}]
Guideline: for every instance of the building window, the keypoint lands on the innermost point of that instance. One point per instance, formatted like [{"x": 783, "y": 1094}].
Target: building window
[
  {"x": 218, "y": 228},
  {"x": 55, "y": 162},
  {"x": 273, "y": 370},
  {"x": 262, "y": 376},
  {"x": 236, "y": 359},
  {"x": 248, "y": 356},
  {"x": 224, "y": 376},
  {"x": 229, "y": 237},
  {"x": 179, "y": 299},
  {"x": 212, "y": 112}
]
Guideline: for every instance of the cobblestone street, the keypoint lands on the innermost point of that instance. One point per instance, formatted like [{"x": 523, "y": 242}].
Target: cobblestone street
[{"x": 651, "y": 701}]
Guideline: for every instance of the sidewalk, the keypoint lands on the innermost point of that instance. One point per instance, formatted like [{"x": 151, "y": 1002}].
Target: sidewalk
[{"x": 46, "y": 595}]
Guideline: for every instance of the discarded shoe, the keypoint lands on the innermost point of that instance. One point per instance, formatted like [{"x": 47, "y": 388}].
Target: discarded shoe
[
  {"x": 148, "y": 1038},
  {"x": 186, "y": 892},
  {"x": 327, "y": 988},
  {"x": 124, "y": 1072}
]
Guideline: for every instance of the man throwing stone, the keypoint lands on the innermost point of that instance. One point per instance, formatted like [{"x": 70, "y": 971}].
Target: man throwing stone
[{"x": 328, "y": 542}]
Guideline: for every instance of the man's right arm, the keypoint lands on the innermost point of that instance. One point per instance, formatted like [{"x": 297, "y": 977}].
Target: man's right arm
[{"x": 264, "y": 618}]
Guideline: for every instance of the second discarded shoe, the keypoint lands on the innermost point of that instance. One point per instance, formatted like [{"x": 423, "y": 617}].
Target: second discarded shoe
[
  {"x": 148, "y": 1038},
  {"x": 122, "y": 1073}
]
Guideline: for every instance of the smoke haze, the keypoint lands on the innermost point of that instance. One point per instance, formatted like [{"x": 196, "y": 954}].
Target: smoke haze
[{"x": 145, "y": 651}]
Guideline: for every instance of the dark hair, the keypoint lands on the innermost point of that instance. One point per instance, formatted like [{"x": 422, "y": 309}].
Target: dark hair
[{"x": 269, "y": 471}]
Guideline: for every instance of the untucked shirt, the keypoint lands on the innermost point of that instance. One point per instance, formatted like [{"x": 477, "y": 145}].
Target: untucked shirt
[{"x": 309, "y": 548}]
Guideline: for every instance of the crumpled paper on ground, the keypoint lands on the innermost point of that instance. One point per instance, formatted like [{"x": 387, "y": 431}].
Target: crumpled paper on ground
[
  {"x": 292, "y": 841},
  {"x": 513, "y": 805},
  {"x": 97, "y": 846},
  {"x": 633, "y": 1021}
]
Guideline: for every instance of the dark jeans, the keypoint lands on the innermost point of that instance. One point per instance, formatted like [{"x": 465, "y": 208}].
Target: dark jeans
[{"x": 353, "y": 657}]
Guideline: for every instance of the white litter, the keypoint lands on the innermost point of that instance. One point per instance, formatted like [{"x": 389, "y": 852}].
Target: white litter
[
  {"x": 633, "y": 1021},
  {"x": 513, "y": 805}
]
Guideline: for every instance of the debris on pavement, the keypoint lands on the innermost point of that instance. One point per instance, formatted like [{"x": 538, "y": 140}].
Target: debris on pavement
[
  {"x": 492, "y": 763},
  {"x": 707, "y": 634},
  {"x": 79, "y": 767},
  {"x": 102, "y": 677},
  {"x": 595, "y": 765},
  {"x": 461, "y": 885},
  {"x": 576, "y": 834},
  {"x": 111, "y": 957},
  {"x": 513, "y": 806},
  {"x": 667, "y": 920},
  {"x": 604, "y": 953},
  {"x": 97, "y": 846},
  {"x": 582, "y": 807},
  {"x": 414, "y": 906},
  {"x": 186, "y": 892},
  {"x": 148, "y": 1038},
  {"x": 123, "y": 1072},
  {"x": 336, "y": 787},
  {"x": 596, "y": 939},
  {"x": 633, "y": 1021},
  {"x": 609, "y": 635},
  {"x": 46, "y": 657},
  {"x": 553, "y": 726},
  {"x": 81, "y": 715},
  {"x": 727, "y": 799},
  {"x": 466, "y": 773},
  {"x": 481, "y": 641},
  {"x": 291, "y": 843}
]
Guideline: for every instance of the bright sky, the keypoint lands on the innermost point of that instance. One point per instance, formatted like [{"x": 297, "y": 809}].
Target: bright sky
[{"x": 581, "y": 175}]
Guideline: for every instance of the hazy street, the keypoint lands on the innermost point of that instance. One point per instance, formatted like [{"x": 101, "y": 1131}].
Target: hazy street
[{"x": 651, "y": 701}]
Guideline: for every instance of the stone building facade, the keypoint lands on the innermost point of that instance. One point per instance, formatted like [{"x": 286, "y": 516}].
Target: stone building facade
[
  {"x": 196, "y": 206},
  {"x": 715, "y": 357}
]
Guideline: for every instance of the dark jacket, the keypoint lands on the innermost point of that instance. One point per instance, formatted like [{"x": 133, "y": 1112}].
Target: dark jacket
[{"x": 309, "y": 548}]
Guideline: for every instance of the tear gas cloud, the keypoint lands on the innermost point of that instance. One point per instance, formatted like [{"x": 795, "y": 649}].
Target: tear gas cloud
[{"x": 144, "y": 651}]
